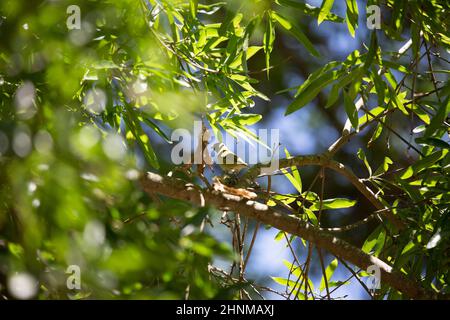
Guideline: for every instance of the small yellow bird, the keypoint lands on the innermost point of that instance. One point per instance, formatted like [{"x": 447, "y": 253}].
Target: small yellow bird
[{"x": 227, "y": 160}]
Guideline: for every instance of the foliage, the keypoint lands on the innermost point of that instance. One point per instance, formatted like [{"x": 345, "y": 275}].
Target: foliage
[{"x": 82, "y": 112}]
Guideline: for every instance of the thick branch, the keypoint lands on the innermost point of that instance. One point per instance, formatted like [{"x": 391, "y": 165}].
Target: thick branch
[{"x": 178, "y": 189}]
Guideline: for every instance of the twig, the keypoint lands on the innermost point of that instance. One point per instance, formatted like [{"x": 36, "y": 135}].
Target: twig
[
  {"x": 356, "y": 277},
  {"x": 322, "y": 265},
  {"x": 324, "y": 161}
]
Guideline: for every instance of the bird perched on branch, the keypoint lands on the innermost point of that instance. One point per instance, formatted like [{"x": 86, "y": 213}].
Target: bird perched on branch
[
  {"x": 218, "y": 186},
  {"x": 227, "y": 160}
]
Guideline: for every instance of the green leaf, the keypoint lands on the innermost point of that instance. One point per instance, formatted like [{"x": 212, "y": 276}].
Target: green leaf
[
  {"x": 268, "y": 41},
  {"x": 354, "y": 87},
  {"x": 352, "y": 16},
  {"x": 137, "y": 132},
  {"x": 380, "y": 87},
  {"x": 353, "y": 75},
  {"x": 293, "y": 286},
  {"x": 238, "y": 62},
  {"x": 311, "y": 216},
  {"x": 286, "y": 199},
  {"x": 408, "y": 248},
  {"x": 294, "y": 178},
  {"x": 438, "y": 120},
  {"x": 324, "y": 10},
  {"x": 407, "y": 174},
  {"x": 193, "y": 4},
  {"x": 435, "y": 142},
  {"x": 246, "y": 119},
  {"x": 298, "y": 273},
  {"x": 285, "y": 282},
  {"x": 105, "y": 64},
  {"x": 279, "y": 236},
  {"x": 372, "y": 51},
  {"x": 415, "y": 37},
  {"x": 387, "y": 161},
  {"x": 396, "y": 66},
  {"x": 16, "y": 250},
  {"x": 338, "y": 203},
  {"x": 333, "y": 96},
  {"x": 310, "y": 89},
  {"x": 362, "y": 156},
  {"x": 376, "y": 134},
  {"x": 310, "y": 196},
  {"x": 375, "y": 112},
  {"x": 391, "y": 79},
  {"x": 371, "y": 240},
  {"x": 296, "y": 32},
  {"x": 423, "y": 163},
  {"x": 420, "y": 113},
  {"x": 350, "y": 109},
  {"x": 328, "y": 273},
  {"x": 295, "y": 270},
  {"x": 243, "y": 132},
  {"x": 157, "y": 130},
  {"x": 381, "y": 240},
  {"x": 309, "y": 10},
  {"x": 398, "y": 100},
  {"x": 209, "y": 9}
]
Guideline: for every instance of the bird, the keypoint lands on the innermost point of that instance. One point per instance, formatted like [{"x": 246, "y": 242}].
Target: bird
[{"x": 227, "y": 160}]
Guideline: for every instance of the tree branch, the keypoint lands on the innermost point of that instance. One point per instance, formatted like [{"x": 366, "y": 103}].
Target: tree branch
[
  {"x": 325, "y": 161},
  {"x": 177, "y": 189}
]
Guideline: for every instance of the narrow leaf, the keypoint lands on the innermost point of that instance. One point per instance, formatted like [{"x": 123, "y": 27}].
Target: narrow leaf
[
  {"x": 350, "y": 109},
  {"x": 352, "y": 16},
  {"x": 310, "y": 91},
  {"x": 296, "y": 32},
  {"x": 338, "y": 203},
  {"x": 309, "y": 10},
  {"x": 269, "y": 38},
  {"x": 324, "y": 10},
  {"x": 328, "y": 273}
]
